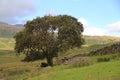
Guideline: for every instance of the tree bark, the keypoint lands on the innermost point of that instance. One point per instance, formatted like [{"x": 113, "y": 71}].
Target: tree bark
[{"x": 49, "y": 60}]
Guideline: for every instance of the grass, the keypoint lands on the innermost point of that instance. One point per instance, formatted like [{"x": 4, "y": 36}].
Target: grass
[
  {"x": 96, "y": 71},
  {"x": 11, "y": 67},
  {"x": 7, "y": 43},
  {"x": 9, "y": 56},
  {"x": 31, "y": 71},
  {"x": 11, "y": 71},
  {"x": 82, "y": 50},
  {"x": 110, "y": 56},
  {"x": 92, "y": 43},
  {"x": 93, "y": 40},
  {"x": 101, "y": 71},
  {"x": 6, "y": 52}
]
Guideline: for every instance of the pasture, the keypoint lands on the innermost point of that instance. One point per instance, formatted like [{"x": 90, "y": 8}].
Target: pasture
[{"x": 11, "y": 67}]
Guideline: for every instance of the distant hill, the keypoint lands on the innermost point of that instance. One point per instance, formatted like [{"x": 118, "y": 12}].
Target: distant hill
[
  {"x": 20, "y": 25},
  {"x": 3, "y": 23},
  {"x": 91, "y": 40},
  {"x": 7, "y": 30}
]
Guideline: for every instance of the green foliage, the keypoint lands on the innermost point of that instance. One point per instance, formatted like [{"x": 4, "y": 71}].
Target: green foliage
[
  {"x": 33, "y": 57},
  {"x": 40, "y": 36},
  {"x": 104, "y": 59},
  {"x": 69, "y": 34}
]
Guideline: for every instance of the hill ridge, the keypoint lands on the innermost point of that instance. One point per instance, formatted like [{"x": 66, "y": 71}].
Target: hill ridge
[
  {"x": 112, "y": 49},
  {"x": 7, "y": 30}
]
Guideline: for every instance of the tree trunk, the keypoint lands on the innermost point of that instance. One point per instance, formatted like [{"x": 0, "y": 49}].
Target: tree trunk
[{"x": 49, "y": 60}]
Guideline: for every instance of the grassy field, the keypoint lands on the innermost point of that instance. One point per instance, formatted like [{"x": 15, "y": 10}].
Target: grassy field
[
  {"x": 7, "y": 43},
  {"x": 101, "y": 71},
  {"x": 9, "y": 56},
  {"x": 17, "y": 70},
  {"x": 11, "y": 67}
]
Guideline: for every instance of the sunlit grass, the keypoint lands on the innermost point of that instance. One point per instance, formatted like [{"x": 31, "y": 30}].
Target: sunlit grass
[
  {"x": 11, "y": 67},
  {"x": 7, "y": 43},
  {"x": 101, "y": 71}
]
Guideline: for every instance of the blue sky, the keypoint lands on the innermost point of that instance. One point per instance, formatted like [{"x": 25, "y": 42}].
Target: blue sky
[
  {"x": 97, "y": 12},
  {"x": 100, "y": 17}
]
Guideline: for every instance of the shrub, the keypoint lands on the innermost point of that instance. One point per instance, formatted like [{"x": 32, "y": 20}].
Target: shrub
[
  {"x": 80, "y": 62},
  {"x": 103, "y": 59},
  {"x": 113, "y": 56}
]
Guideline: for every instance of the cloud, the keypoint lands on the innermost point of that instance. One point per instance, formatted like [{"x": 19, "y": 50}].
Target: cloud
[
  {"x": 84, "y": 22},
  {"x": 51, "y": 12},
  {"x": 109, "y": 30},
  {"x": 11, "y": 10},
  {"x": 114, "y": 27},
  {"x": 91, "y": 30},
  {"x": 94, "y": 31}
]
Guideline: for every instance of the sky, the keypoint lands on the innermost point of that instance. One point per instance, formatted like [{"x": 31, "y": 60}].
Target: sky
[{"x": 99, "y": 17}]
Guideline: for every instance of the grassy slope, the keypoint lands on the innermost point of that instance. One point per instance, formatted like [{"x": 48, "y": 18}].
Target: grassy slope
[
  {"x": 7, "y": 43},
  {"x": 9, "y": 30},
  {"x": 98, "y": 71},
  {"x": 6, "y": 36},
  {"x": 9, "y": 56},
  {"x": 93, "y": 40},
  {"x": 11, "y": 67},
  {"x": 92, "y": 43},
  {"x": 101, "y": 71}
]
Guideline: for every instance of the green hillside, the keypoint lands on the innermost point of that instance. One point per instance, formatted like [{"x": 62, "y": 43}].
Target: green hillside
[
  {"x": 7, "y": 43},
  {"x": 101, "y": 71},
  {"x": 7, "y": 30},
  {"x": 93, "y": 40},
  {"x": 11, "y": 67}
]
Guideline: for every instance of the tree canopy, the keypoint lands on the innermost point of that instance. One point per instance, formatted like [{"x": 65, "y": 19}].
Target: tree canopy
[{"x": 45, "y": 36}]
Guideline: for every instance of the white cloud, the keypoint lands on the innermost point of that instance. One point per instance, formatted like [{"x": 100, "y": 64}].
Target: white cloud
[
  {"x": 90, "y": 30},
  {"x": 94, "y": 31},
  {"x": 51, "y": 12},
  {"x": 115, "y": 27},
  {"x": 111, "y": 29},
  {"x": 84, "y": 22},
  {"x": 11, "y": 10}
]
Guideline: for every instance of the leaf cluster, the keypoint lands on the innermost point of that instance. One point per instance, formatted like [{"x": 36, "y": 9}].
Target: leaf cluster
[{"x": 49, "y": 34}]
